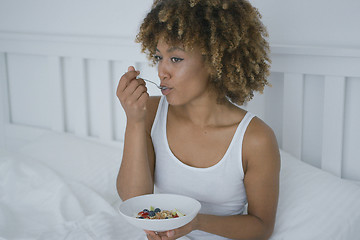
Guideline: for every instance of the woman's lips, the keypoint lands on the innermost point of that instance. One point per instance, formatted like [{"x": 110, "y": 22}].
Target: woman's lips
[{"x": 166, "y": 91}]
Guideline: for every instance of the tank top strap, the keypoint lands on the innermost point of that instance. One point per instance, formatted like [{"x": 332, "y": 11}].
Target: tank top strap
[
  {"x": 246, "y": 121},
  {"x": 242, "y": 129},
  {"x": 161, "y": 115}
]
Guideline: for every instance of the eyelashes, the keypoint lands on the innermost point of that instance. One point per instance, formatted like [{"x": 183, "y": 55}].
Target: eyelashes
[
  {"x": 175, "y": 59},
  {"x": 158, "y": 58}
]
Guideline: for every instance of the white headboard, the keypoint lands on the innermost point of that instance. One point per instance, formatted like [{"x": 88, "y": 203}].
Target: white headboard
[{"x": 67, "y": 84}]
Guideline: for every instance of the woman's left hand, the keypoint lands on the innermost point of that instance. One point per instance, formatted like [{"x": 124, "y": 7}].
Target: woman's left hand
[{"x": 172, "y": 234}]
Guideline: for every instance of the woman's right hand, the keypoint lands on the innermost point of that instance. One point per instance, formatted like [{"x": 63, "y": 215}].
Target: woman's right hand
[{"x": 133, "y": 95}]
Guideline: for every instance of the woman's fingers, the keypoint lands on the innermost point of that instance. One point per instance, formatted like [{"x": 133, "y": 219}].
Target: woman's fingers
[
  {"x": 152, "y": 235},
  {"x": 138, "y": 97},
  {"x": 133, "y": 96},
  {"x": 143, "y": 99},
  {"x": 126, "y": 79},
  {"x": 129, "y": 84},
  {"x": 133, "y": 92},
  {"x": 131, "y": 87}
]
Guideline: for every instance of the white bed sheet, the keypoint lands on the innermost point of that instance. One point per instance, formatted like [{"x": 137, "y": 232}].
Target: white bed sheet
[
  {"x": 63, "y": 187},
  {"x": 38, "y": 203}
]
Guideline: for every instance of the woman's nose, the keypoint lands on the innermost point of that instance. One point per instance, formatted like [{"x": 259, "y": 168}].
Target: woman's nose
[{"x": 163, "y": 71}]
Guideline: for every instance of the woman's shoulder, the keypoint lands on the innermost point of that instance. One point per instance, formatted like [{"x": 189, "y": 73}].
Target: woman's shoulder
[
  {"x": 257, "y": 130},
  {"x": 151, "y": 109},
  {"x": 259, "y": 133},
  {"x": 260, "y": 142}
]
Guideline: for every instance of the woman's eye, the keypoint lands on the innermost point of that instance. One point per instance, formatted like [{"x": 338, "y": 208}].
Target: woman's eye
[
  {"x": 175, "y": 59},
  {"x": 157, "y": 58}
]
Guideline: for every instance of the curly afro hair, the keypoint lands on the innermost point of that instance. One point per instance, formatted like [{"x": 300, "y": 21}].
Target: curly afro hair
[{"x": 229, "y": 34}]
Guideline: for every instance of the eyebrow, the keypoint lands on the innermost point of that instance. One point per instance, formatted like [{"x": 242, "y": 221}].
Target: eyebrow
[{"x": 172, "y": 49}]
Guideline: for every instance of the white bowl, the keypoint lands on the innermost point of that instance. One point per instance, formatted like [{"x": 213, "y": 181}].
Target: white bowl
[{"x": 186, "y": 205}]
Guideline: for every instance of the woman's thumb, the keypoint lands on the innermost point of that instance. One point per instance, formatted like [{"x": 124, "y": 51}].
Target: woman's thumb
[
  {"x": 131, "y": 68},
  {"x": 170, "y": 233}
]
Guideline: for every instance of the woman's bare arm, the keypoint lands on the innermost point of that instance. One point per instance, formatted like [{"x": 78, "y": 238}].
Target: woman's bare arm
[
  {"x": 261, "y": 166},
  {"x": 137, "y": 167}
]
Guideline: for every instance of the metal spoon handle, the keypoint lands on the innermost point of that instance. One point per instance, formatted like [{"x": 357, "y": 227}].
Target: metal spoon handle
[{"x": 159, "y": 87}]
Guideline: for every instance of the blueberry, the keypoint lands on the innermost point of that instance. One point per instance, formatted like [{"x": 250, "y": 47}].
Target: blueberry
[
  {"x": 141, "y": 217},
  {"x": 151, "y": 213},
  {"x": 157, "y": 210},
  {"x": 145, "y": 210}
]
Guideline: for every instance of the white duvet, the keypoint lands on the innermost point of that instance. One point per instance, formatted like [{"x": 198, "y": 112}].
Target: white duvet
[
  {"x": 36, "y": 202},
  {"x": 63, "y": 187}
]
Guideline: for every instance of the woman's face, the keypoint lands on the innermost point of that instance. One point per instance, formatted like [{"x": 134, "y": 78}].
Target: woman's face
[{"x": 183, "y": 73}]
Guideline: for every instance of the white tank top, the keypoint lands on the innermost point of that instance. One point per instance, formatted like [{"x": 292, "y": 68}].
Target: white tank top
[{"x": 219, "y": 188}]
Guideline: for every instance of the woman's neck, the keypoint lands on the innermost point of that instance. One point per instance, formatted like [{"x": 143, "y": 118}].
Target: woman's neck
[{"x": 203, "y": 112}]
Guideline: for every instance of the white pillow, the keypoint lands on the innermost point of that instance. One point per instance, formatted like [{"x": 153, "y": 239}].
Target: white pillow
[
  {"x": 89, "y": 162},
  {"x": 314, "y": 204}
]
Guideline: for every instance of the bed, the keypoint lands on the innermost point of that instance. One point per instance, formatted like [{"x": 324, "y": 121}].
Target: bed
[
  {"x": 61, "y": 141},
  {"x": 63, "y": 187}
]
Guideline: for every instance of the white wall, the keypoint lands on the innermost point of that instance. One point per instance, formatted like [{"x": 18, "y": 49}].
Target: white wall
[
  {"x": 308, "y": 22},
  {"x": 75, "y": 17},
  {"x": 312, "y": 22}
]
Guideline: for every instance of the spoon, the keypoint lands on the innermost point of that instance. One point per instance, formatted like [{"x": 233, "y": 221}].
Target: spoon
[{"x": 159, "y": 87}]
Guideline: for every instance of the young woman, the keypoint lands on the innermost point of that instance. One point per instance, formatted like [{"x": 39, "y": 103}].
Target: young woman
[{"x": 194, "y": 140}]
